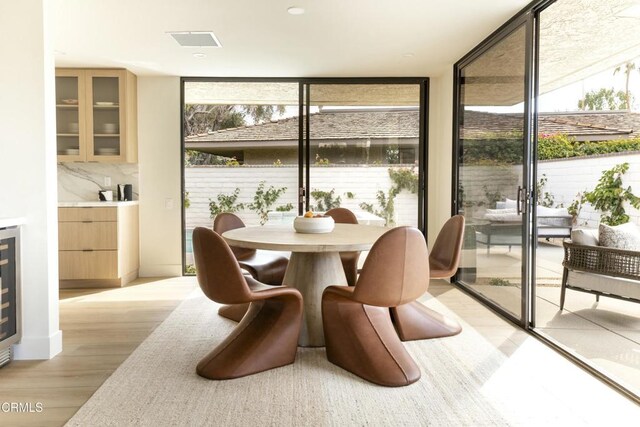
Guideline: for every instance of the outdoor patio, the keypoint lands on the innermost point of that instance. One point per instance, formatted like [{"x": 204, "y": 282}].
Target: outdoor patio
[{"x": 604, "y": 333}]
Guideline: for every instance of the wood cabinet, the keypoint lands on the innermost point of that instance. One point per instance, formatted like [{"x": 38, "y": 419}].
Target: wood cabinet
[
  {"x": 96, "y": 115},
  {"x": 98, "y": 246}
]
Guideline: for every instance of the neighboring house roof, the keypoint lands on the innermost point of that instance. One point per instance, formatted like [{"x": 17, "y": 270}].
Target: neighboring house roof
[
  {"x": 404, "y": 124},
  {"x": 582, "y": 126},
  {"x": 333, "y": 124},
  {"x": 627, "y": 122}
]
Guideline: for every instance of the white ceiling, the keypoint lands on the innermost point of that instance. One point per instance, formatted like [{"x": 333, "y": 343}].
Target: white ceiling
[{"x": 334, "y": 38}]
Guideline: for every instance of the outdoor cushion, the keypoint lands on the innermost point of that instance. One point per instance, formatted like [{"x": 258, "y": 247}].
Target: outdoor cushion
[
  {"x": 502, "y": 215},
  {"x": 585, "y": 236},
  {"x": 510, "y": 204},
  {"x": 544, "y": 211},
  {"x": 624, "y": 236}
]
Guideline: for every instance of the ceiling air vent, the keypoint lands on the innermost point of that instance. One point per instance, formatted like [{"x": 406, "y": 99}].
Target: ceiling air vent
[{"x": 195, "y": 38}]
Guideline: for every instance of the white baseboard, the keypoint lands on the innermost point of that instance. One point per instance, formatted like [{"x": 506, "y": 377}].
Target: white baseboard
[
  {"x": 38, "y": 348},
  {"x": 161, "y": 270}
]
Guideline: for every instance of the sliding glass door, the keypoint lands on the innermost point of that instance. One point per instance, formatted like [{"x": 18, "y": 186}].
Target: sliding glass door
[
  {"x": 544, "y": 153},
  {"x": 492, "y": 147},
  {"x": 491, "y": 153},
  {"x": 364, "y": 151},
  {"x": 241, "y": 143},
  {"x": 270, "y": 149}
]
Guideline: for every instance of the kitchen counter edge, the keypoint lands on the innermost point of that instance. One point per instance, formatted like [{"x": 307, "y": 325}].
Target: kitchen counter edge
[{"x": 97, "y": 204}]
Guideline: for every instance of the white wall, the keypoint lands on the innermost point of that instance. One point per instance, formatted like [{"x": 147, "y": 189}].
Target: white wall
[
  {"x": 159, "y": 168},
  {"x": 565, "y": 178},
  {"x": 28, "y": 166},
  {"x": 440, "y": 146},
  {"x": 206, "y": 182}
]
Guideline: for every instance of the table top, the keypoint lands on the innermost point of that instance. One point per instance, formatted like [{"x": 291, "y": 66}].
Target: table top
[{"x": 343, "y": 238}]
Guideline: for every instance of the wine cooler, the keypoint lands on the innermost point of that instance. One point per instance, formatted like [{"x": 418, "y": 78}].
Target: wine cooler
[{"x": 10, "y": 332}]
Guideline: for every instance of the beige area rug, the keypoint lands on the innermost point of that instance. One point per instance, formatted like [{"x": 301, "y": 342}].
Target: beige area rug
[{"x": 465, "y": 381}]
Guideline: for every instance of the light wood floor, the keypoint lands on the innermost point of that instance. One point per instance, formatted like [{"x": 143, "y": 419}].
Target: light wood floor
[{"x": 100, "y": 328}]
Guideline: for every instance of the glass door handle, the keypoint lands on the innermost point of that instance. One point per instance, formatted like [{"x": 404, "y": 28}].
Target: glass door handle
[{"x": 521, "y": 200}]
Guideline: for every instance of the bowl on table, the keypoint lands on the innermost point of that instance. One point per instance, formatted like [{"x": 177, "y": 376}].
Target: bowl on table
[{"x": 314, "y": 225}]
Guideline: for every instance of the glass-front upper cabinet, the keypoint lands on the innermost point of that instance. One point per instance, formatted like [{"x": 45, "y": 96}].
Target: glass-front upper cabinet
[
  {"x": 105, "y": 122},
  {"x": 70, "y": 115}
]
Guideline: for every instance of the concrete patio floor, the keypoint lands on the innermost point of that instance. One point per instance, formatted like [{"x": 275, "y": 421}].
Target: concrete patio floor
[{"x": 606, "y": 334}]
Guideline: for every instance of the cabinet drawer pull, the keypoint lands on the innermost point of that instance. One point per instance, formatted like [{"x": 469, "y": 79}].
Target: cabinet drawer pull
[
  {"x": 87, "y": 250},
  {"x": 87, "y": 222}
]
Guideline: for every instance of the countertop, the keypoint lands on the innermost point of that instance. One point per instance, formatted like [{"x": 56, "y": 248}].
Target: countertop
[
  {"x": 12, "y": 222},
  {"x": 96, "y": 204}
]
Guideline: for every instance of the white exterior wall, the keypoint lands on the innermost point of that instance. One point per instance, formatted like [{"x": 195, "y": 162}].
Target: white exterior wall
[
  {"x": 565, "y": 178},
  {"x": 205, "y": 182}
]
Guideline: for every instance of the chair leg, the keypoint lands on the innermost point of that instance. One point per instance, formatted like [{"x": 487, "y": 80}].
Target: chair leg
[
  {"x": 233, "y": 312},
  {"x": 563, "y": 288},
  {"x": 361, "y": 339},
  {"x": 597, "y": 298},
  {"x": 414, "y": 321},
  {"x": 266, "y": 338}
]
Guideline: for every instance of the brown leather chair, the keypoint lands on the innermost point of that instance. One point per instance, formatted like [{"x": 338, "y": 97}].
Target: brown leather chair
[
  {"x": 263, "y": 266},
  {"x": 349, "y": 259},
  {"x": 358, "y": 331},
  {"x": 267, "y": 336},
  {"x": 414, "y": 321}
]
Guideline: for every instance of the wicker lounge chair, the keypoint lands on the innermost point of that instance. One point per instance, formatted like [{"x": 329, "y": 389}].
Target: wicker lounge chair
[{"x": 600, "y": 270}]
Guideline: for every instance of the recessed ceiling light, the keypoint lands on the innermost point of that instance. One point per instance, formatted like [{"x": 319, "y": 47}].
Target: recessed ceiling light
[
  {"x": 408, "y": 55},
  {"x": 295, "y": 10},
  {"x": 199, "y": 55},
  {"x": 195, "y": 38}
]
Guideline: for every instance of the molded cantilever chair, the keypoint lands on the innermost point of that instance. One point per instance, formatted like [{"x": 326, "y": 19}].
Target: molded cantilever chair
[
  {"x": 358, "y": 331},
  {"x": 263, "y": 266},
  {"x": 267, "y": 336},
  {"x": 349, "y": 259},
  {"x": 414, "y": 321}
]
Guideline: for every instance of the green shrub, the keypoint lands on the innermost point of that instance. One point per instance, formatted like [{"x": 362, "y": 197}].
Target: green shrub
[
  {"x": 550, "y": 147},
  {"x": 325, "y": 200},
  {"x": 404, "y": 179},
  {"x": 285, "y": 208},
  {"x": 264, "y": 199},
  {"x": 609, "y": 196},
  {"x": 225, "y": 203}
]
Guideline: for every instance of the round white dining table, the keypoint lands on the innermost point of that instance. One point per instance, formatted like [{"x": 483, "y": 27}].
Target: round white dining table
[{"x": 314, "y": 263}]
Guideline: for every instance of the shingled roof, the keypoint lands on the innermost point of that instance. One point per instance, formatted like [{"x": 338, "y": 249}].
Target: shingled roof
[
  {"x": 332, "y": 124},
  {"x": 399, "y": 124}
]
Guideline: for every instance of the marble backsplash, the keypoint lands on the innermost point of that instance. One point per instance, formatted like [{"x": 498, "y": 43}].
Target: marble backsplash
[{"x": 82, "y": 181}]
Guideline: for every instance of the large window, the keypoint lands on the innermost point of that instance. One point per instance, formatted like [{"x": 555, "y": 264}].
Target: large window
[
  {"x": 270, "y": 150},
  {"x": 491, "y": 131},
  {"x": 545, "y": 152}
]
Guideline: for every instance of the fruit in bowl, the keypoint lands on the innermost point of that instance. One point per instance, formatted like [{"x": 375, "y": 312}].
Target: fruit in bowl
[
  {"x": 310, "y": 214},
  {"x": 311, "y": 223}
]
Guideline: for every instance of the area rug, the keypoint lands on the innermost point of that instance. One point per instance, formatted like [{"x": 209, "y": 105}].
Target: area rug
[{"x": 465, "y": 381}]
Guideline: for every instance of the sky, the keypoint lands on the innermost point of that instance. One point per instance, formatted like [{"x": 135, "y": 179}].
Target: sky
[{"x": 566, "y": 98}]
